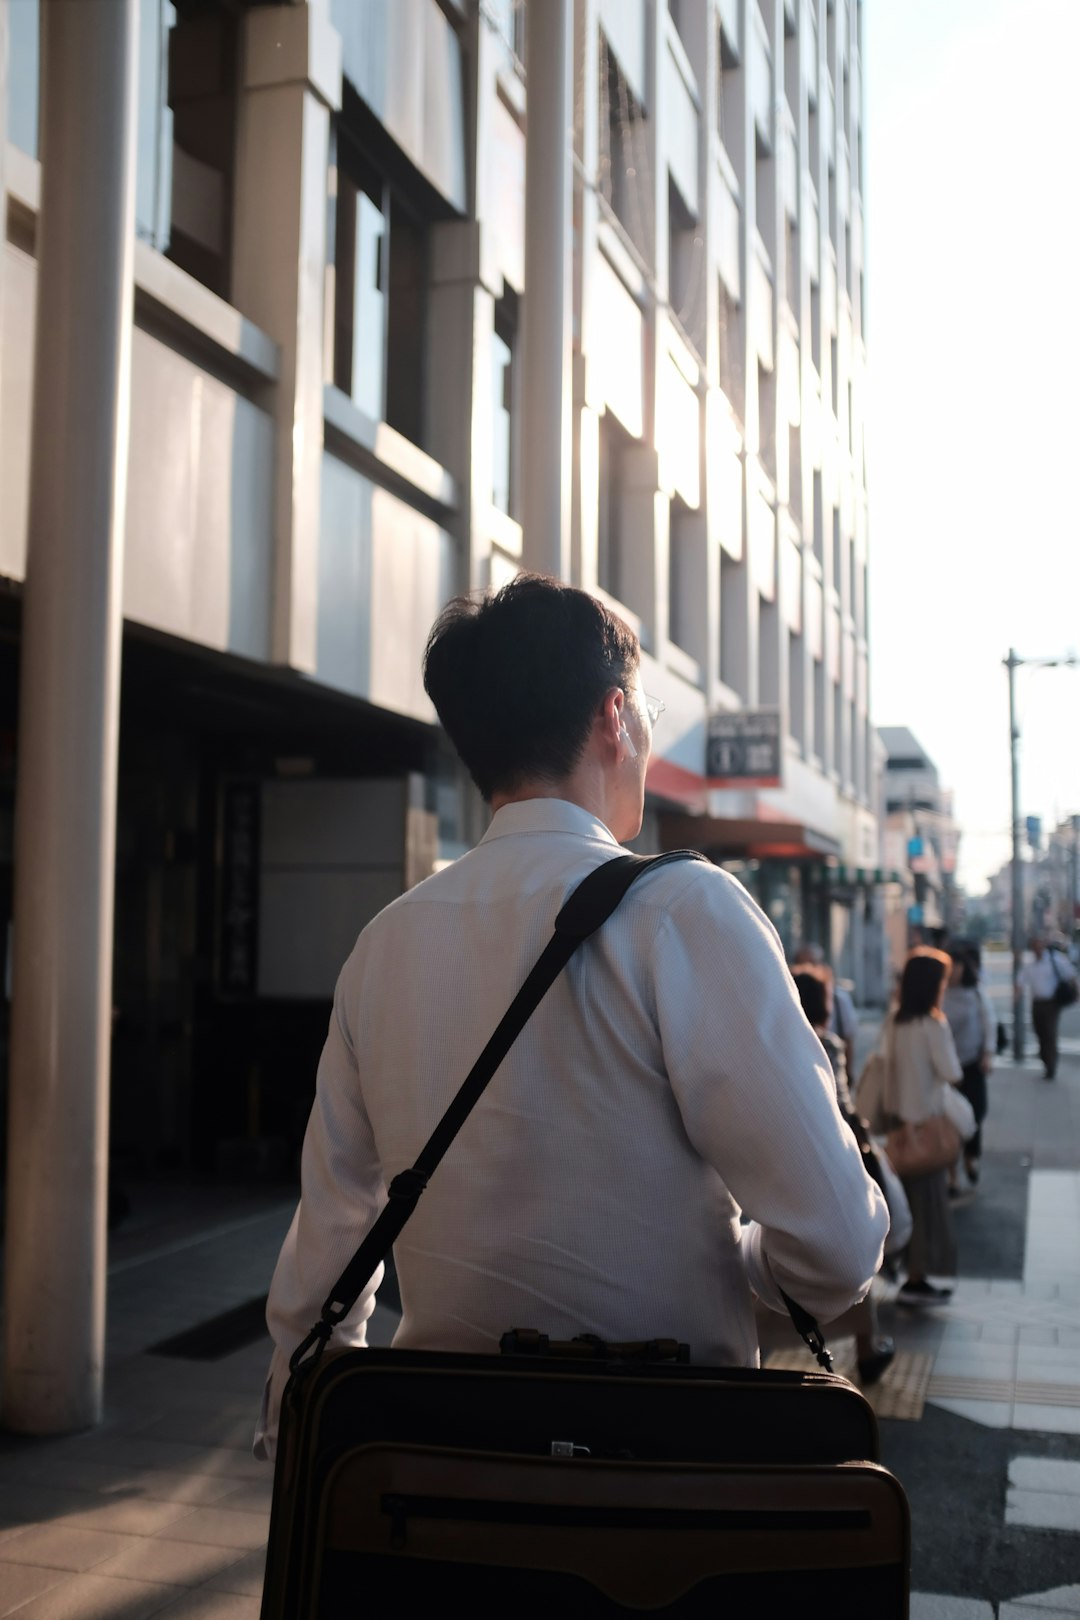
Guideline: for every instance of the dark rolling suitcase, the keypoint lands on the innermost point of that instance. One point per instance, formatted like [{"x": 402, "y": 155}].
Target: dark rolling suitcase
[{"x": 610, "y": 1486}]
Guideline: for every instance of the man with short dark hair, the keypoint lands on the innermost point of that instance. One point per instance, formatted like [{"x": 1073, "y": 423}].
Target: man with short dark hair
[{"x": 667, "y": 1080}]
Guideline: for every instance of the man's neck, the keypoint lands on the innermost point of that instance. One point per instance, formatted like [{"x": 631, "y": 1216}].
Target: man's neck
[{"x": 584, "y": 787}]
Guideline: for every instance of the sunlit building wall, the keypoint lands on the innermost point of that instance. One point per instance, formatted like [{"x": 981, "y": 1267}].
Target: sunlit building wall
[
  {"x": 326, "y": 442},
  {"x": 720, "y": 475}
]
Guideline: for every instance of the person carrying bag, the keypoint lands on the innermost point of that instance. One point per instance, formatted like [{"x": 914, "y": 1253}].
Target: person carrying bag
[{"x": 921, "y": 1107}]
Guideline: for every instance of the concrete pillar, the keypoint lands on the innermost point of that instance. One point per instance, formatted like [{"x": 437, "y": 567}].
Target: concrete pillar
[
  {"x": 546, "y": 310},
  {"x": 291, "y": 77},
  {"x": 54, "y": 1328}
]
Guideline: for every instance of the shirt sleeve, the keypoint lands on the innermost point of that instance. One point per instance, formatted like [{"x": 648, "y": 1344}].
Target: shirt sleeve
[
  {"x": 758, "y": 1103},
  {"x": 989, "y": 1023},
  {"x": 943, "y": 1051},
  {"x": 341, "y": 1192}
]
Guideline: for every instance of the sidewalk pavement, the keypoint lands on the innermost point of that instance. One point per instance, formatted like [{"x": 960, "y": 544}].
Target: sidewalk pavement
[{"x": 163, "y": 1511}]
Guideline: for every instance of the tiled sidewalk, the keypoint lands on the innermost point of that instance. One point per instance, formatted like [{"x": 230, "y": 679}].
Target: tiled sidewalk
[{"x": 162, "y": 1510}]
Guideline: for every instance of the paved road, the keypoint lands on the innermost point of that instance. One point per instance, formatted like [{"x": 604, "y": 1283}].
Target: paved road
[{"x": 993, "y": 1476}]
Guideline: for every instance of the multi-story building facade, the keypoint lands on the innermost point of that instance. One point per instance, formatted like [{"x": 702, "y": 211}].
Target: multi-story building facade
[
  {"x": 335, "y": 399},
  {"x": 921, "y": 842}
]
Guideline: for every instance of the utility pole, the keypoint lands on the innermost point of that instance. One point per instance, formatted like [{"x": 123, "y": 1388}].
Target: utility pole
[
  {"x": 1012, "y": 664},
  {"x": 1074, "y": 884}
]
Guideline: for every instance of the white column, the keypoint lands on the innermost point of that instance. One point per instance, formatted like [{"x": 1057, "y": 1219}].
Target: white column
[
  {"x": 54, "y": 1328},
  {"x": 291, "y": 84},
  {"x": 546, "y": 403}
]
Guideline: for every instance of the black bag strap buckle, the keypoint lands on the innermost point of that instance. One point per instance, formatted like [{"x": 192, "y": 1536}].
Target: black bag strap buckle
[
  {"x": 318, "y": 1337},
  {"x": 407, "y": 1186},
  {"x": 808, "y": 1330}
]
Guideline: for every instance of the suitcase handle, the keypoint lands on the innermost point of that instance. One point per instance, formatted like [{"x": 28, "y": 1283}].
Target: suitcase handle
[{"x": 584, "y": 912}]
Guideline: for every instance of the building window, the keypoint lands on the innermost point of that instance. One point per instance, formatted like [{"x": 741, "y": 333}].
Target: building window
[
  {"x": 507, "y": 17},
  {"x": 686, "y": 268},
  {"x": 23, "y": 75},
  {"x": 682, "y": 576},
  {"x": 380, "y": 293},
  {"x": 730, "y": 349},
  {"x": 853, "y": 598},
  {"x": 835, "y": 375},
  {"x": 819, "y": 517},
  {"x": 839, "y": 752},
  {"x": 768, "y": 653},
  {"x": 855, "y": 762},
  {"x": 792, "y": 266},
  {"x": 624, "y": 158},
  {"x": 729, "y": 102},
  {"x": 732, "y": 625},
  {"x": 765, "y": 194},
  {"x": 185, "y": 174},
  {"x": 360, "y": 273},
  {"x": 819, "y": 710},
  {"x": 184, "y": 125},
  {"x": 815, "y": 324},
  {"x": 503, "y": 407},
  {"x": 837, "y": 574},
  {"x": 795, "y": 505},
  {"x": 796, "y": 689},
  {"x": 767, "y": 420},
  {"x": 614, "y": 444}
]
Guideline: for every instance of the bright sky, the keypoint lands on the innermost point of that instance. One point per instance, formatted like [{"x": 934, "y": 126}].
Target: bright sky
[{"x": 973, "y": 288}]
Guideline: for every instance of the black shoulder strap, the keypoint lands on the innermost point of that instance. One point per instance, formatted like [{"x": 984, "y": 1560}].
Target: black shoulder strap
[{"x": 587, "y": 909}]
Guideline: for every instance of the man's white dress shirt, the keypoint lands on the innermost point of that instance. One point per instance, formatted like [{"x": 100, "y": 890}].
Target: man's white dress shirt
[
  {"x": 667, "y": 1080},
  {"x": 1042, "y": 975}
]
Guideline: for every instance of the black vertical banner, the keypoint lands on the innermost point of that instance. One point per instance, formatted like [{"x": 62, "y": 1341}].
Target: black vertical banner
[{"x": 238, "y": 956}]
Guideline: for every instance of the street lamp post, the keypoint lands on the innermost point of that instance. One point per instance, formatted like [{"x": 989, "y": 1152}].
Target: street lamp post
[{"x": 1012, "y": 664}]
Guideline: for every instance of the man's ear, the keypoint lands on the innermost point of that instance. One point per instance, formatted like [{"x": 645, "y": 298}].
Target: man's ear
[{"x": 612, "y": 714}]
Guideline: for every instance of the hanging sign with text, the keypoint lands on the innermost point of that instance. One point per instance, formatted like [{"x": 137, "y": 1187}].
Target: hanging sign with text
[{"x": 743, "y": 749}]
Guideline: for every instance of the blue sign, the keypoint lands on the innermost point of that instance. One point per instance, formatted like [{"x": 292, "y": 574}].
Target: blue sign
[
  {"x": 914, "y": 847},
  {"x": 915, "y": 914}
]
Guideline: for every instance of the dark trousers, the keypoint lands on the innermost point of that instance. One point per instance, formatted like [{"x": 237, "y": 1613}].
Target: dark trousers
[
  {"x": 1045, "y": 1016},
  {"x": 973, "y": 1086}
]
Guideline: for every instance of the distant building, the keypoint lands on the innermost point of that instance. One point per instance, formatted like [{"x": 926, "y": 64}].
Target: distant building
[{"x": 920, "y": 847}]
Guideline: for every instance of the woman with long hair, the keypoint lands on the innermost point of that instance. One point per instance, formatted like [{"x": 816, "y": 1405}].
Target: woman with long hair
[{"x": 921, "y": 1061}]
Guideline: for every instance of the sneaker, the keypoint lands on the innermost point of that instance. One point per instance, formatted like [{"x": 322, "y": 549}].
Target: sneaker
[{"x": 923, "y": 1293}]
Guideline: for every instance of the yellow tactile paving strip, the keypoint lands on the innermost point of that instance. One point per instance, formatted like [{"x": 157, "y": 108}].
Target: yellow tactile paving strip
[{"x": 899, "y": 1393}]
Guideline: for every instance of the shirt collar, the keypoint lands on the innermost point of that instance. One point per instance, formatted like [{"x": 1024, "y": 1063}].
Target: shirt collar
[{"x": 547, "y": 816}]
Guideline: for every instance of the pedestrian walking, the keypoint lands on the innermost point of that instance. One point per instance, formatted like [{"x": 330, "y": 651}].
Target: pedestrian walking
[
  {"x": 970, "y": 1015},
  {"x": 920, "y": 1063},
  {"x": 1052, "y": 984}
]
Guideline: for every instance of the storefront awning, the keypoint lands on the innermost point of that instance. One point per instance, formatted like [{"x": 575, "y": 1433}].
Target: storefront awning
[{"x": 745, "y": 839}]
